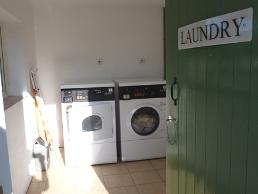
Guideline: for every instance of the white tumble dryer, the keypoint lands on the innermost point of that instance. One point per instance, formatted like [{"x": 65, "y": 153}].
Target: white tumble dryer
[
  {"x": 142, "y": 107},
  {"x": 89, "y": 127}
]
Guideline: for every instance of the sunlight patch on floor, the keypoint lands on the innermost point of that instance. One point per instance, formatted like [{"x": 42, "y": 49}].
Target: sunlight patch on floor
[{"x": 141, "y": 177}]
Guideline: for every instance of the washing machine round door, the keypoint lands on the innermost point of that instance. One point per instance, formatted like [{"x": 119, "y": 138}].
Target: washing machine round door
[{"x": 145, "y": 121}]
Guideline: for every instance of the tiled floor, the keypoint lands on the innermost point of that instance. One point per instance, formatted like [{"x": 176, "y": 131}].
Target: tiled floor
[{"x": 141, "y": 177}]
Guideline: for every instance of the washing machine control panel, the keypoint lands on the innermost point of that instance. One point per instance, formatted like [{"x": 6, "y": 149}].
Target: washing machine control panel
[
  {"x": 87, "y": 94},
  {"x": 142, "y": 92}
]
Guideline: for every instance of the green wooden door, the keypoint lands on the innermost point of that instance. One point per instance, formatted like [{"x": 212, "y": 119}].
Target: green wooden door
[{"x": 216, "y": 148}]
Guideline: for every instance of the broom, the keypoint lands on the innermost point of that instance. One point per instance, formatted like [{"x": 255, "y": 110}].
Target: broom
[{"x": 43, "y": 131}]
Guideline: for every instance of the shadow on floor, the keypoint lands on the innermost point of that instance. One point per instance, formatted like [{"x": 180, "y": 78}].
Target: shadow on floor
[
  {"x": 139, "y": 177},
  {"x": 39, "y": 182}
]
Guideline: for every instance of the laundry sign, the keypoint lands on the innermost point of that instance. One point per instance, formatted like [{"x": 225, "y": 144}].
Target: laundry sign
[{"x": 225, "y": 29}]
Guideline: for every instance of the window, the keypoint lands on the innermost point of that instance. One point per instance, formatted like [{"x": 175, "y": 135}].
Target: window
[{"x": 2, "y": 65}]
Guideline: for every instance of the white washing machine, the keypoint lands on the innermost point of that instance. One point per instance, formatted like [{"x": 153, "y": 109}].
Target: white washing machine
[
  {"x": 89, "y": 127},
  {"x": 142, "y": 106}
]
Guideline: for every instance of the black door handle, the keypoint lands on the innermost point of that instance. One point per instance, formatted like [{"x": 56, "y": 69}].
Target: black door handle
[{"x": 174, "y": 91}]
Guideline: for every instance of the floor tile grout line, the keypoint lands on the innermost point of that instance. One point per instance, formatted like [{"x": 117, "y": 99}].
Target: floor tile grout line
[
  {"x": 138, "y": 185},
  {"x": 145, "y": 184},
  {"x": 151, "y": 168},
  {"x": 150, "y": 183},
  {"x": 128, "y": 173},
  {"x": 132, "y": 179},
  {"x": 159, "y": 175},
  {"x": 159, "y": 159},
  {"x": 122, "y": 186},
  {"x": 151, "y": 164},
  {"x": 117, "y": 173}
]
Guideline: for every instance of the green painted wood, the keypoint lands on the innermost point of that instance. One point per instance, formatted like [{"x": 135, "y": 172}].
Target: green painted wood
[
  {"x": 252, "y": 168},
  {"x": 240, "y": 117},
  {"x": 228, "y": 152},
  {"x": 240, "y": 124},
  {"x": 200, "y": 98},
  {"x": 182, "y": 141},
  {"x": 225, "y": 108},
  {"x": 190, "y": 124},
  {"x": 211, "y": 119},
  {"x": 191, "y": 73},
  {"x": 225, "y": 111},
  {"x": 183, "y": 80},
  {"x": 217, "y": 142},
  {"x": 200, "y": 123},
  {"x": 252, "y": 160},
  {"x": 212, "y": 110},
  {"x": 171, "y": 18}
]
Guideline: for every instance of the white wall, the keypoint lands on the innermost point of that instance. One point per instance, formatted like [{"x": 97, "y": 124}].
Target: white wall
[
  {"x": 16, "y": 17},
  {"x": 5, "y": 174},
  {"x": 70, "y": 38},
  {"x": 21, "y": 133},
  {"x": 19, "y": 44}
]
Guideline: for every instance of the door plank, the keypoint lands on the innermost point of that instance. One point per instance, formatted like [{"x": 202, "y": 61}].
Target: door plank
[
  {"x": 182, "y": 134},
  {"x": 190, "y": 122},
  {"x": 252, "y": 159},
  {"x": 214, "y": 54},
  {"x": 190, "y": 72},
  {"x": 172, "y": 71},
  {"x": 240, "y": 53},
  {"x": 225, "y": 105},
  {"x": 182, "y": 159},
  {"x": 211, "y": 119},
  {"x": 200, "y": 98},
  {"x": 217, "y": 148}
]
